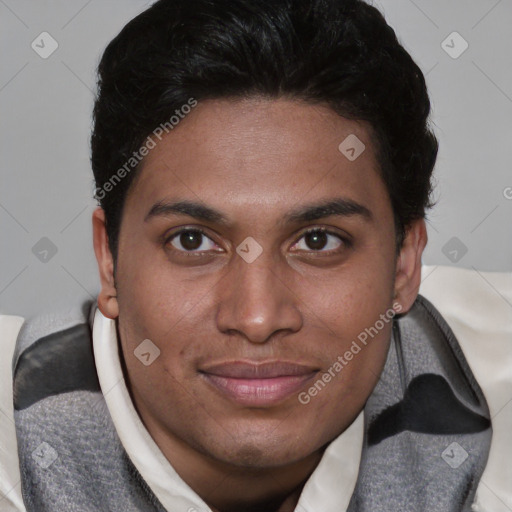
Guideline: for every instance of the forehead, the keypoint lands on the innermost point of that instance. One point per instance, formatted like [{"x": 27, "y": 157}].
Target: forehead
[{"x": 261, "y": 152}]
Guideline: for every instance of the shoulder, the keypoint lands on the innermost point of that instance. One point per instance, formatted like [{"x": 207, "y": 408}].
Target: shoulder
[
  {"x": 53, "y": 355},
  {"x": 477, "y": 306}
]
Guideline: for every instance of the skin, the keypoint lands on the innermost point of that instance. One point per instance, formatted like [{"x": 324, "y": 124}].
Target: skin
[{"x": 254, "y": 160}]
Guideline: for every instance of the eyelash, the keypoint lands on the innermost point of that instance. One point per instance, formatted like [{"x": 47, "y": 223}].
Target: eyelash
[
  {"x": 346, "y": 242},
  {"x": 169, "y": 238}
]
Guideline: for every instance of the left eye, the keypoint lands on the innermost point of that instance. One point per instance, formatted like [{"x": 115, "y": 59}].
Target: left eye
[
  {"x": 191, "y": 240},
  {"x": 319, "y": 240}
]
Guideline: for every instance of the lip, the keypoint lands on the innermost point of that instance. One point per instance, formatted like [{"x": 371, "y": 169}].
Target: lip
[{"x": 261, "y": 384}]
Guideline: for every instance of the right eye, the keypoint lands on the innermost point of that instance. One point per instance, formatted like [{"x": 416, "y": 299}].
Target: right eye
[{"x": 190, "y": 240}]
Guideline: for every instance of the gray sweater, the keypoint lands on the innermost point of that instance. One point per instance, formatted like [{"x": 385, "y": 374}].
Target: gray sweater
[{"x": 426, "y": 442}]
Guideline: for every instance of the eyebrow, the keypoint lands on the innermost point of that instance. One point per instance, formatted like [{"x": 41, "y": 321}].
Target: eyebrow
[
  {"x": 339, "y": 206},
  {"x": 190, "y": 208},
  {"x": 333, "y": 207}
]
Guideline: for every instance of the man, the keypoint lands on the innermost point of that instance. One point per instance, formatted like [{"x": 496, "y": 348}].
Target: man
[{"x": 263, "y": 169}]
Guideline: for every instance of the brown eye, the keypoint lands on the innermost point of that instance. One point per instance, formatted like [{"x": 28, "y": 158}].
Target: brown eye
[
  {"x": 191, "y": 240},
  {"x": 316, "y": 240},
  {"x": 320, "y": 240}
]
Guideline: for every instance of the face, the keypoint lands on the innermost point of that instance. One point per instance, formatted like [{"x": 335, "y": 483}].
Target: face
[{"x": 254, "y": 254}]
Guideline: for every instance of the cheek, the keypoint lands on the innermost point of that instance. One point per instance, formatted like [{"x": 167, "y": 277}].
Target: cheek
[
  {"x": 351, "y": 302},
  {"x": 347, "y": 380},
  {"x": 170, "y": 312},
  {"x": 353, "y": 319},
  {"x": 151, "y": 299}
]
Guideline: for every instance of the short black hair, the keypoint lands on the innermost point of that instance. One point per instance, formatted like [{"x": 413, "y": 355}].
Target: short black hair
[{"x": 339, "y": 53}]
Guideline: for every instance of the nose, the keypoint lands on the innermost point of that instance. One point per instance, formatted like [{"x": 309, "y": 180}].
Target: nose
[{"x": 256, "y": 302}]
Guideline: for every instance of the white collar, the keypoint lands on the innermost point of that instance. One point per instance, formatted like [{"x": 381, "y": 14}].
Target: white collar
[{"x": 328, "y": 489}]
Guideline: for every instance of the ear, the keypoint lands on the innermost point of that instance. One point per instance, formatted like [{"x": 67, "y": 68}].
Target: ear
[
  {"x": 408, "y": 268},
  {"x": 107, "y": 298}
]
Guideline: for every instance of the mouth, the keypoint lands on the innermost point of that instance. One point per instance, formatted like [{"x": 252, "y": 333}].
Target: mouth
[{"x": 258, "y": 385}]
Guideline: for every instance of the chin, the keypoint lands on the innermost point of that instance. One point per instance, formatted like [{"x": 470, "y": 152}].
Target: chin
[
  {"x": 254, "y": 456},
  {"x": 261, "y": 450}
]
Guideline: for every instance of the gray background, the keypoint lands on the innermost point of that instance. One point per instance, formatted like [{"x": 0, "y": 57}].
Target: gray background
[{"x": 45, "y": 105}]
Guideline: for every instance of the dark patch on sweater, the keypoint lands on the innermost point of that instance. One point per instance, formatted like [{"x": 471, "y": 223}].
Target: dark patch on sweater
[
  {"x": 430, "y": 407},
  {"x": 58, "y": 363}
]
